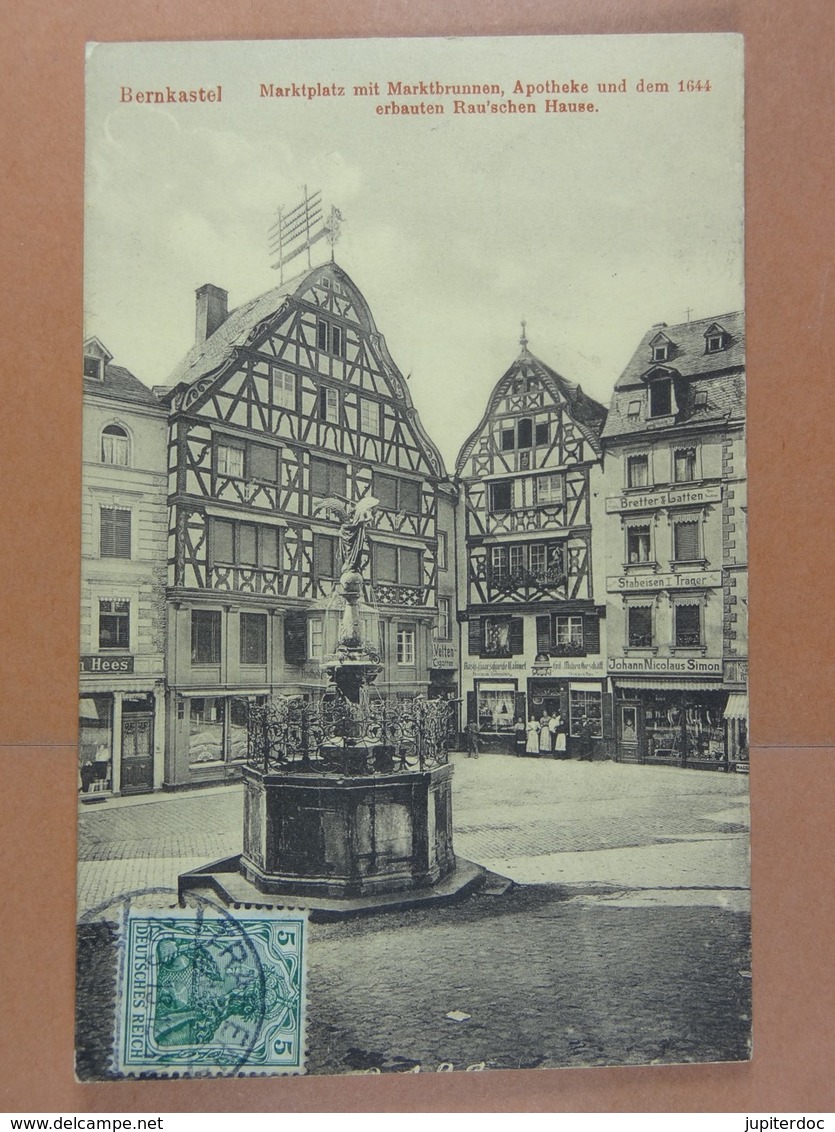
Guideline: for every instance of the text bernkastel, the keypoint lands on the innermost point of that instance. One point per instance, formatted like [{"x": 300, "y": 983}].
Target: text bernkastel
[{"x": 171, "y": 94}]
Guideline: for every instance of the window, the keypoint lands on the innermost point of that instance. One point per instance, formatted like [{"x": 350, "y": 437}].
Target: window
[
  {"x": 393, "y": 564},
  {"x": 327, "y": 478},
  {"x": 205, "y": 636},
  {"x": 230, "y": 461},
  {"x": 329, "y": 337},
  {"x": 713, "y": 343},
  {"x": 684, "y": 465},
  {"x": 206, "y": 717},
  {"x": 115, "y": 532},
  {"x": 262, "y": 463},
  {"x": 501, "y": 495},
  {"x": 569, "y": 630},
  {"x": 686, "y": 540},
  {"x": 548, "y": 490},
  {"x": 315, "y": 638},
  {"x": 661, "y": 352},
  {"x": 661, "y": 398},
  {"x": 444, "y": 630},
  {"x": 640, "y": 626},
  {"x": 326, "y": 556},
  {"x": 588, "y": 703},
  {"x": 93, "y": 367},
  {"x": 638, "y": 545},
  {"x": 700, "y": 399},
  {"x": 637, "y": 471},
  {"x": 524, "y": 432},
  {"x": 329, "y": 404},
  {"x": 284, "y": 389},
  {"x": 395, "y": 494},
  {"x": 114, "y": 624},
  {"x": 507, "y": 439},
  {"x": 542, "y": 432},
  {"x": 370, "y": 416},
  {"x": 442, "y": 550},
  {"x": 633, "y": 409},
  {"x": 115, "y": 447},
  {"x": 406, "y": 644},
  {"x": 244, "y": 544},
  {"x": 495, "y": 705},
  {"x": 501, "y": 636},
  {"x": 253, "y": 638},
  {"x": 688, "y": 625},
  {"x": 498, "y": 563},
  {"x": 538, "y": 562}
]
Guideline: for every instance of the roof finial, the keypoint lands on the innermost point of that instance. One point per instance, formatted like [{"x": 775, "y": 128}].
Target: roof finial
[{"x": 523, "y": 341}]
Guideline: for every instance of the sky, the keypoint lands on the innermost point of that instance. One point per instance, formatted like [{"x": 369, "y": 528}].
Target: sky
[{"x": 591, "y": 226}]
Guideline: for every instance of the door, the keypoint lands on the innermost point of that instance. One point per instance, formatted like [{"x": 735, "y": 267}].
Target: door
[
  {"x": 137, "y": 753},
  {"x": 628, "y": 724}
]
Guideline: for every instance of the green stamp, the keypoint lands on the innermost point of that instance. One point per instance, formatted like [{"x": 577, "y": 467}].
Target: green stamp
[{"x": 212, "y": 994}]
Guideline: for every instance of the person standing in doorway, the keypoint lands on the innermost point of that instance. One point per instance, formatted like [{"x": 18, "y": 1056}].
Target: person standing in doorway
[
  {"x": 472, "y": 740},
  {"x": 532, "y": 747},
  {"x": 586, "y": 740},
  {"x": 557, "y": 729},
  {"x": 520, "y": 737},
  {"x": 544, "y": 735}
]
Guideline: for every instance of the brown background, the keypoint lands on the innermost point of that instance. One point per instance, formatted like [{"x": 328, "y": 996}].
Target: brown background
[{"x": 790, "y": 129}]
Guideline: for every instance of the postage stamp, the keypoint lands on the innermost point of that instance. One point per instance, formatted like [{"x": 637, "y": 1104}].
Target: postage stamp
[{"x": 206, "y": 994}]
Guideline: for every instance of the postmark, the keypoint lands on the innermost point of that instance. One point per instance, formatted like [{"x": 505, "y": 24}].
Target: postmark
[{"x": 202, "y": 990}]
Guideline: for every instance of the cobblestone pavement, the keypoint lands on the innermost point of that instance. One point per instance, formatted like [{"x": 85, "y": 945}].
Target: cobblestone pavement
[{"x": 625, "y": 939}]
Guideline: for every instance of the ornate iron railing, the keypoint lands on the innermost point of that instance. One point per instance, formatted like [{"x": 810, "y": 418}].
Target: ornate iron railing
[{"x": 334, "y": 736}]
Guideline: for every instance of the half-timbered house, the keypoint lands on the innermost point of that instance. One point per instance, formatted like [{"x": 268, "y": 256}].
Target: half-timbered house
[
  {"x": 532, "y": 487},
  {"x": 285, "y": 401},
  {"x": 676, "y": 517}
]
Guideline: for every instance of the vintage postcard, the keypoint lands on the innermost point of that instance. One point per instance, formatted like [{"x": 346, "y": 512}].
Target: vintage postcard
[{"x": 413, "y": 715}]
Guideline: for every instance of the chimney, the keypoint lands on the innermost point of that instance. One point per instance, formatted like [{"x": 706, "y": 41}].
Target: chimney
[{"x": 211, "y": 311}]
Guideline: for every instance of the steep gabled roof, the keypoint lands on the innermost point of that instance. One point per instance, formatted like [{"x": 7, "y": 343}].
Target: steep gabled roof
[
  {"x": 588, "y": 414},
  {"x": 710, "y": 387},
  {"x": 119, "y": 384}
]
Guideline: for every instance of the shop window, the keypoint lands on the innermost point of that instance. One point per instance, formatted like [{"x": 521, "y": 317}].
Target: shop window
[
  {"x": 115, "y": 535},
  {"x": 444, "y": 629},
  {"x": 284, "y": 389},
  {"x": 589, "y": 703},
  {"x": 205, "y": 740},
  {"x": 238, "y": 725},
  {"x": 396, "y": 494},
  {"x": 496, "y": 706},
  {"x": 569, "y": 630},
  {"x": 542, "y": 433},
  {"x": 370, "y": 417},
  {"x": 548, "y": 490},
  {"x": 688, "y": 625},
  {"x": 205, "y": 636},
  {"x": 95, "y": 742},
  {"x": 661, "y": 398},
  {"x": 684, "y": 465},
  {"x": 253, "y": 633},
  {"x": 637, "y": 471},
  {"x": 524, "y": 432},
  {"x": 501, "y": 495},
  {"x": 114, "y": 624},
  {"x": 686, "y": 541},
  {"x": 406, "y": 644},
  {"x": 639, "y": 619},
  {"x": 329, "y": 405},
  {"x": 326, "y": 557},
  {"x": 115, "y": 446},
  {"x": 397, "y": 565},
  {"x": 638, "y": 544},
  {"x": 327, "y": 478}
]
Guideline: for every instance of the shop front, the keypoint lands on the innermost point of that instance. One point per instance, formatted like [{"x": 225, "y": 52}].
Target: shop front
[
  {"x": 209, "y": 736},
  {"x": 672, "y": 723},
  {"x": 120, "y": 736}
]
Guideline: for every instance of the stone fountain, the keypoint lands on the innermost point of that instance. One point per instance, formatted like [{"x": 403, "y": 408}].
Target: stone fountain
[{"x": 348, "y": 801}]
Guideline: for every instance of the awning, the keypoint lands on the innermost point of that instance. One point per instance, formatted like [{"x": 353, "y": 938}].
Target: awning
[
  {"x": 737, "y": 706},
  {"x": 652, "y": 683}
]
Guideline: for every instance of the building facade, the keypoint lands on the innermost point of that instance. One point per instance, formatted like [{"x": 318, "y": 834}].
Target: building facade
[
  {"x": 675, "y": 540},
  {"x": 283, "y": 403},
  {"x": 530, "y": 580},
  {"x": 123, "y": 549}
]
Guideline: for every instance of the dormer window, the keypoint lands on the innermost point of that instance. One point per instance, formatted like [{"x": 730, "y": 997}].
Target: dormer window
[
  {"x": 661, "y": 398},
  {"x": 660, "y": 353},
  {"x": 716, "y": 339},
  {"x": 93, "y": 367}
]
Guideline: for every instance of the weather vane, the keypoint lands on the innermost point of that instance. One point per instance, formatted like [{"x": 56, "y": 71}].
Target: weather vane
[{"x": 298, "y": 229}]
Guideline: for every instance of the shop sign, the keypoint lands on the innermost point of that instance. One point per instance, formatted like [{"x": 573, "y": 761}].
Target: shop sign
[
  {"x": 700, "y": 580},
  {"x": 104, "y": 664},
  {"x": 554, "y": 666},
  {"x": 671, "y": 497},
  {"x": 444, "y": 654},
  {"x": 664, "y": 666}
]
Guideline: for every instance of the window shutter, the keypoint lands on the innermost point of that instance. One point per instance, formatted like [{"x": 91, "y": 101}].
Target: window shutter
[
  {"x": 687, "y": 541},
  {"x": 522, "y": 706},
  {"x": 517, "y": 636},
  {"x": 472, "y": 716},
  {"x": 474, "y": 636},
  {"x": 295, "y": 638},
  {"x": 543, "y": 633},
  {"x": 591, "y": 633}
]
